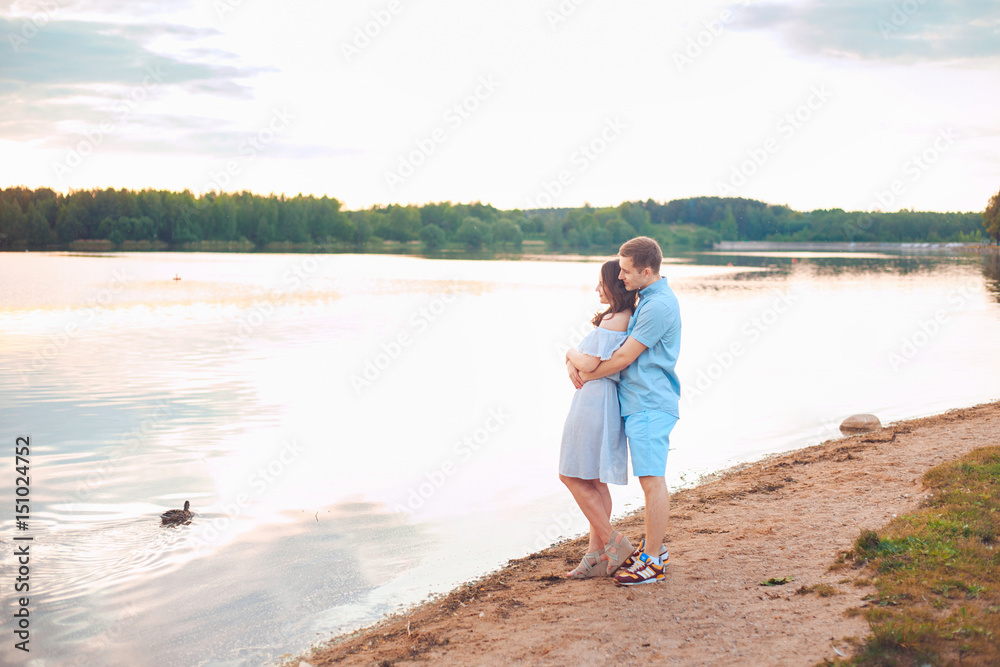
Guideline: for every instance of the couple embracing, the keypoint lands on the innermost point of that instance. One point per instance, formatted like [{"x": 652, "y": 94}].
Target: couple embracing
[{"x": 625, "y": 405}]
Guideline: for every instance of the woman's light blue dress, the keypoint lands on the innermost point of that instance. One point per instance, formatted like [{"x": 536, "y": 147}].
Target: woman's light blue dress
[{"x": 593, "y": 441}]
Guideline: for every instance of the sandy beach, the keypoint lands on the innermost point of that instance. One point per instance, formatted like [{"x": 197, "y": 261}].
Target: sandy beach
[{"x": 791, "y": 515}]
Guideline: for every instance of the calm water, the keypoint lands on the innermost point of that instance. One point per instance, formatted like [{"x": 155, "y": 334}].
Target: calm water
[{"x": 357, "y": 432}]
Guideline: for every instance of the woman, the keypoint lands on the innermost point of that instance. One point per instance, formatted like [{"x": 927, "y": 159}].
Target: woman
[{"x": 593, "y": 449}]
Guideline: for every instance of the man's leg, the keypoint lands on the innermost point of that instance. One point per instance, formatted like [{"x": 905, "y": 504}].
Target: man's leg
[
  {"x": 657, "y": 513},
  {"x": 649, "y": 443}
]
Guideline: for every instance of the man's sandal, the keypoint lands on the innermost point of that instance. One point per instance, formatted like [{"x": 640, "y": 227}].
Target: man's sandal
[
  {"x": 592, "y": 565},
  {"x": 617, "y": 550}
]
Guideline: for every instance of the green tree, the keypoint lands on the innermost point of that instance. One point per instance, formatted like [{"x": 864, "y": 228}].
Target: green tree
[
  {"x": 991, "y": 218},
  {"x": 505, "y": 231},
  {"x": 13, "y": 226},
  {"x": 121, "y": 229},
  {"x": 601, "y": 237},
  {"x": 328, "y": 221},
  {"x": 103, "y": 230},
  {"x": 485, "y": 212},
  {"x": 402, "y": 223},
  {"x": 621, "y": 231},
  {"x": 635, "y": 214},
  {"x": 69, "y": 223},
  {"x": 221, "y": 219},
  {"x": 474, "y": 233},
  {"x": 40, "y": 234},
  {"x": 577, "y": 240},
  {"x": 432, "y": 236},
  {"x": 727, "y": 226},
  {"x": 438, "y": 214},
  {"x": 362, "y": 230}
]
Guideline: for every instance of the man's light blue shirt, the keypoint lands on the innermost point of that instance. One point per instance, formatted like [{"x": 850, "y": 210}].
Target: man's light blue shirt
[{"x": 649, "y": 382}]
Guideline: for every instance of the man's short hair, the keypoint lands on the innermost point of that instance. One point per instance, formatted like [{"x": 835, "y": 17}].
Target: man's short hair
[{"x": 644, "y": 252}]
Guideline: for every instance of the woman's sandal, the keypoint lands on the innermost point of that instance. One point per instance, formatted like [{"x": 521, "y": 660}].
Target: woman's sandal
[
  {"x": 588, "y": 567},
  {"x": 617, "y": 550}
]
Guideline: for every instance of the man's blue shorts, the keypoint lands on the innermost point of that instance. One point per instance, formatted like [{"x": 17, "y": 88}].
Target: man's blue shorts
[{"x": 648, "y": 435}]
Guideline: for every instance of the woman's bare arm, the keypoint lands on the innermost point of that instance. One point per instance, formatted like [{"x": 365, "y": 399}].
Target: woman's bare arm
[{"x": 584, "y": 362}]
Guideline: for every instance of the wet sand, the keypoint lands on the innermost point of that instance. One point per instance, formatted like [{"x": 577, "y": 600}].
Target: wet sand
[{"x": 791, "y": 515}]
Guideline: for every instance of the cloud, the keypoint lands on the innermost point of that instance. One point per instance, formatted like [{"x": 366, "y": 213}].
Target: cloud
[
  {"x": 85, "y": 53},
  {"x": 67, "y": 77},
  {"x": 902, "y": 30}
]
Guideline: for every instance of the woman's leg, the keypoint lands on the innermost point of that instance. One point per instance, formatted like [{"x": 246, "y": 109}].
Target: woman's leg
[{"x": 594, "y": 500}]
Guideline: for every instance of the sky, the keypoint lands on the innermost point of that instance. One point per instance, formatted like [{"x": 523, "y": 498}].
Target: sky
[{"x": 858, "y": 104}]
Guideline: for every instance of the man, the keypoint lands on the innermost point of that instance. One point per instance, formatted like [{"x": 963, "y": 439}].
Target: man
[{"x": 649, "y": 392}]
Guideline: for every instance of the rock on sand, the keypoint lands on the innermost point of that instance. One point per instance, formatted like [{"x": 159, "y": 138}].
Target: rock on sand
[{"x": 860, "y": 424}]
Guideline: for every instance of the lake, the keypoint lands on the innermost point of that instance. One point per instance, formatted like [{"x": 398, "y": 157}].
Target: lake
[{"x": 357, "y": 432}]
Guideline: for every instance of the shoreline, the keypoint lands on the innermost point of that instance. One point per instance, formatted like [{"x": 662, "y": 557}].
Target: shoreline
[
  {"x": 851, "y": 246},
  {"x": 786, "y": 515},
  {"x": 533, "y": 248}
]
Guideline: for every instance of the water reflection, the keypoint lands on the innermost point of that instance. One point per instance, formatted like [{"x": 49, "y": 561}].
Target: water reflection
[
  {"x": 291, "y": 575},
  {"x": 302, "y": 417},
  {"x": 834, "y": 264},
  {"x": 991, "y": 269}
]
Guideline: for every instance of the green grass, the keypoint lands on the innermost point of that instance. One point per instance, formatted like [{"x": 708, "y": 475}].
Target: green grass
[{"x": 937, "y": 572}]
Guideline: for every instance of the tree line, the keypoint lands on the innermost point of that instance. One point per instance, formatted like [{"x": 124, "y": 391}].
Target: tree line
[{"x": 45, "y": 219}]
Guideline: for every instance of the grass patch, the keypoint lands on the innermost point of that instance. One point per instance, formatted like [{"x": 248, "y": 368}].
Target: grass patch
[
  {"x": 777, "y": 581},
  {"x": 822, "y": 590},
  {"x": 937, "y": 572}
]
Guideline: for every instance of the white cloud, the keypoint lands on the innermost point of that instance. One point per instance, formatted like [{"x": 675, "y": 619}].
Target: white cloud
[{"x": 907, "y": 31}]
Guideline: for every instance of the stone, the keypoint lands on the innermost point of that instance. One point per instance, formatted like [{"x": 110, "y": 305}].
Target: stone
[{"x": 860, "y": 424}]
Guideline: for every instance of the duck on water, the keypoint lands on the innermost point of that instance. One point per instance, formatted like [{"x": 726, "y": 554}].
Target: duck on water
[{"x": 174, "y": 517}]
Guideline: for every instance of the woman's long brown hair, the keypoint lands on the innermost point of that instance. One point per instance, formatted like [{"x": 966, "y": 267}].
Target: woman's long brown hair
[{"x": 620, "y": 298}]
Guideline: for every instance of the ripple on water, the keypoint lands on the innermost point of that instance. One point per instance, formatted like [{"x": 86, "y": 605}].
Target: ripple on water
[{"x": 103, "y": 556}]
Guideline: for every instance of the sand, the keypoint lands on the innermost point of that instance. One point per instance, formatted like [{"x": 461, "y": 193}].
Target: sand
[{"x": 791, "y": 515}]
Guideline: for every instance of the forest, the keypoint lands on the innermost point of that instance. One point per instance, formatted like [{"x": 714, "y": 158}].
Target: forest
[{"x": 43, "y": 219}]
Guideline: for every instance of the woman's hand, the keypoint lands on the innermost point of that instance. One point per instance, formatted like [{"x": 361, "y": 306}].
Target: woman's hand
[{"x": 574, "y": 374}]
